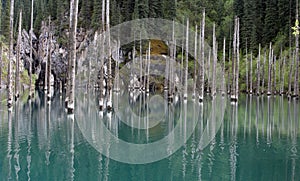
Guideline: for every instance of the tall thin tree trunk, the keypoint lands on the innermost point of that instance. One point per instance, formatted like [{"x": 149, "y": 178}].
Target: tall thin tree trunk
[
  {"x": 213, "y": 92},
  {"x": 280, "y": 71},
  {"x": 209, "y": 71},
  {"x": 11, "y": 44},
  {"x": 201, "y": 68},
  {"x": 148, "y": 65},
  {"x": 258, "y": 71},
  {"x": 291, "y": 62},
  {"x": 233, "y": 76},
  {"x": 17, "y": 77},
  {"x": 223, "y": 69},
  {"x": 73, "y": 21},
  {"x": 270, "y": 69},
  {"x": 49, "y": 61},
  {"x": 247, "y": 70},
  {"x": 101, "y": 72},
  {"x": 283, "y": 76},
  {"x": 274, "y": 75},
  {"x": 263, "y": 72},
  {"x": 30, "y": 60},
  {"x": 296, "y": 81},
  {"x": 195, "y": 60},
  {"x": 109, "y": 100},
  {"x": 186, "y": 60},
  {"x": 251, "y": 72},
  {"x": 237, "y": 59},
  {"x": 1, "y": 49}
]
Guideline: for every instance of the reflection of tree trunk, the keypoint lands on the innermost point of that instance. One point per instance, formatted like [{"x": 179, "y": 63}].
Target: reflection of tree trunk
[
  {"x": 17, "y": 78},
  {"x": 11, "y": 44}
]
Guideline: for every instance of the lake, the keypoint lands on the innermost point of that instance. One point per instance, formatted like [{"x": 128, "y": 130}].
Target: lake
[{"x": 258, "y": 139}]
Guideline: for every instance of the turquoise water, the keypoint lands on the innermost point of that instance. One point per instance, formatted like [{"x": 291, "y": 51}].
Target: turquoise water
[{"x": 257, "y": 140}]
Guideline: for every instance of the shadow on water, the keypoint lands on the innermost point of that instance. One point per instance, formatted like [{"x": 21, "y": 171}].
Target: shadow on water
[{"x": 258, "y": 139}]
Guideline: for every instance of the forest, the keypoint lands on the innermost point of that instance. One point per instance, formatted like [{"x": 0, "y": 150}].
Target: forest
[{"x": 265, "y": 29}]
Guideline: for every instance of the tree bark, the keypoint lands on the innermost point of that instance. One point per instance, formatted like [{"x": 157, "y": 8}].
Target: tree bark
[
  {"x": 49, "y": 61},
  {"x": 109, "y": 98},
  {"x": 296, "y": 81},
  {"x": 237, "y": 59},
  {"x": 201, "y": 67},
  {"x": 11, "y": 44}
]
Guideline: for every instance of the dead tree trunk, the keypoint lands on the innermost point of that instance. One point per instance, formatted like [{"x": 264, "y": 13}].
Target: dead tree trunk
[
  {"x": 247, "y": 70},
  {"x": 263, "y": 72},
  {"x": 296, "y": 81},
  {"x": 101, "y": 72},
  {"x": 201, "y": 67},
  {"x": 283, "y": 76},
  {"x": 17, "y": 76},
  {"x": 11, "y": 44},
  {"x": 213, "y": 91},
  {"x": 49, "y": 61},
  {"x": 186, "y": 60},
  {"x": 291, "y": 62},
  {"x": 195, "y": 61},
  {"x": 223, "y": 69},
  {"x": 30, "y": 60},
  {"x": 238, "y": 58},
  {"x": 1, "y": 49},
  {"x": 258, "y": 72},
  {"x": 269, "y": 70},
  {"x": 274, "y": 75},
  {"x": 251, "y": 71},
  {"x": 235, "y": 62},
  {"x": 109, "y": 98},
  {"x": 72, "y": 60}
]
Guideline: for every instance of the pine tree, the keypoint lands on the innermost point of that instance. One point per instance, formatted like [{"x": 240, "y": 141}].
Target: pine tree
[{"x": 96, "y": 17}]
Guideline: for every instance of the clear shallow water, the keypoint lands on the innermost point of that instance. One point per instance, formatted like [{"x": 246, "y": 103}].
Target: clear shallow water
[{"x": 258, "y": 140}]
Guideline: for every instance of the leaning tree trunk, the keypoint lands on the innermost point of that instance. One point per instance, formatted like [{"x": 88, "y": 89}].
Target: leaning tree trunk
[
  {"x": 30, "y": 60},
  {"x": 11, "y": 44},
  {"x": 17, "y": 77},
  {"x": 296, "y": 82},
  {"x": 72, "y": 58}
]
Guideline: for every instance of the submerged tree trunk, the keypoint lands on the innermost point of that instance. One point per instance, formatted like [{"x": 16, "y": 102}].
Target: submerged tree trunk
[
  {"x": 238, "y": 59},
  {"x": 283, "y": 76},
  {"x": 291, "y": 62},
  {"x": 223, "y": 69},
  {"x": 101, "y": 72},
  {"x": 30, "y": 60},
  {"x": 195, "y": 61},
  {"x": 251, "y": 71},
  {"x": 247, "y": 70},
  {"x": 11, "y": 44},
  {"x": 274, "y": 75},
  {"x": 72, "y": 58},
  {"x": 234, "y": 63}
]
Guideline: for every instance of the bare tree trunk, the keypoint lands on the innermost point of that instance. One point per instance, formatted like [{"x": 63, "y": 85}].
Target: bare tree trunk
[
  {"x": 238, "y": 59},
  {"x": 109, "y": 103},
  {"x": 1, "y": 49},
  {"x": 11, "y": 44},
  {"x": 148, "y": 69},
  {"x": 195, "y": 61},
  {"x": 186, "y": 60},
  {"x": 296, "y": 81},
  {"x": 223, "y": 69},
  {"x": 201, "y": 68},
  {"x": 213, "y": 92},
  {"x": 30, "y": 60},
  {"x": 291, "y": 62},
  {"x": 209, "y": 71},
  {"x": 280, "y": 72},
  {"x": 258, "y": 71},
  {"x": 17, "y": 77},
  {"x": 234, "y": 57},
  {"x": 270, "y": 69},
  {"x": 49, "y": 60},
  {"x": 274, "y": 75},
  {"x": 73, "y": 21},
  {"x": 101, "y": 72},
  {"x": 247, "y": 70},
  {"x": 283, "y": 76},
  {"x": 263, "y": 72},
  {"x": 251, "y": 71}
]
